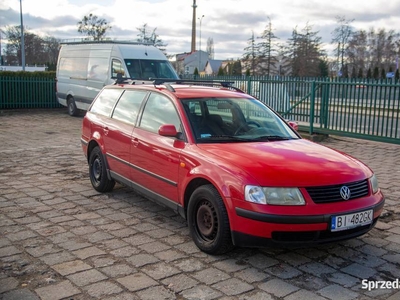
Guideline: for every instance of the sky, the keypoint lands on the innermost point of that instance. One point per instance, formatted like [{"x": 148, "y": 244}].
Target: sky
[{"x": 230, "y": 23}]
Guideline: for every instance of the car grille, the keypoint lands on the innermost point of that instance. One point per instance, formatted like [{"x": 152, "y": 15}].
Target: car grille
[{"x": 326, "y": 194}]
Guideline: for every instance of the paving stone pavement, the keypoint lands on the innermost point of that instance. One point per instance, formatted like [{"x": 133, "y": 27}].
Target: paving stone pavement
[{"x": 60, "y": 239}]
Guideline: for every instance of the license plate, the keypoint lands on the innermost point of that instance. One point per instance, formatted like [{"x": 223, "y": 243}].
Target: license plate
[{"x": 349, "y": 221}]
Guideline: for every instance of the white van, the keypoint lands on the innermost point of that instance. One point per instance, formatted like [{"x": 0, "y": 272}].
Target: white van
[{"x": 84, "y": 68}]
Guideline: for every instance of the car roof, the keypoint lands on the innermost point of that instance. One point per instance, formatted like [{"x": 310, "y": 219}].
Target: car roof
[{"x": 186, "y": 88}]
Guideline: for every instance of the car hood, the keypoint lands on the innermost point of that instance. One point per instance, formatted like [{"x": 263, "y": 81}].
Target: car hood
[{"x": 289, "y": 163}]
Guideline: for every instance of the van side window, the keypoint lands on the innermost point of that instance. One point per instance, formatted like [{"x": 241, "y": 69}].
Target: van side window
[
  {"x": 73, "y": 67},
  {"x": 128, "y": 106},
  {"x": 105, "y": 101},
  {"x": 116, "y": 67},
  {"x": 158, "y": 111},
  {"x": 97, "y": 69}
]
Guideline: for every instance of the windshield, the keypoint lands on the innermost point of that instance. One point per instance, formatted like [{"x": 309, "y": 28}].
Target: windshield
[
  {"x": 145, "y": 69},
  {"x": 215, "y": 120}
]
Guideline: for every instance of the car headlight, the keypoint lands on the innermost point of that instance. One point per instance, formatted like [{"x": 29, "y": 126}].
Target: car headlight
[
  {"x": 254, "y": 194},
  {"x": 273, "y": 195},
  {"x": 374, "y": 184}
]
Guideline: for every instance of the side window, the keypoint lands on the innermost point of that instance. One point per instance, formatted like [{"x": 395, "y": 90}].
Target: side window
[
  {"x": 75, "y": 67},
  {"x": 97, "y": 69},
  {"x": 158, "y": 111},
  {"x": 105, "y": 101},
  {"x": 116, "y": 67},
  {"x": 128, "y": 106}
]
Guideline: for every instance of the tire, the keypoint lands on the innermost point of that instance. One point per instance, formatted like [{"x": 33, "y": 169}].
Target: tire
[
  {"x": 208, "y": 221},
  {"x": 72, "y": 109},
  {"x": 98, "y": 172}
]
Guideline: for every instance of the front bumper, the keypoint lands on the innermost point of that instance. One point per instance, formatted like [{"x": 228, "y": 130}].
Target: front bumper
[{"x": 285, "y": 230}]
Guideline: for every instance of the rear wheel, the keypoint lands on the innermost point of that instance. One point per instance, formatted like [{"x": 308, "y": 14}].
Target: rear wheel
[
  {"x": 208, "y": 221},
  {"x": 98, "y": 172},
  {"x": 72, "y": 109}
]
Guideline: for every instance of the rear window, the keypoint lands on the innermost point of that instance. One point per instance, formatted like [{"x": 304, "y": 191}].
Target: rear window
[
  {"x": 105, "y": 101},
  {"x": 128, "y": 106}
]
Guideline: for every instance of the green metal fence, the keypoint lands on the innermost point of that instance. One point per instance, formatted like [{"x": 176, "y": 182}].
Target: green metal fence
[
  {"x": 27, "y": 92},
  {"x": 369, "y": 110},
  {"x": 356, "y": 108}
]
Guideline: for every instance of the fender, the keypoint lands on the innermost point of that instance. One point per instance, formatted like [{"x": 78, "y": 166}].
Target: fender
[
  {"x": 97, "y": 139},
  {"x": 229, "y": 182}
]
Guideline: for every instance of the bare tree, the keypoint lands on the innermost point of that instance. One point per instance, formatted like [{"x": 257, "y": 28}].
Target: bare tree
[
  {"x": 150, "y": 37},
  {"x": 358, "y": 51},
  {"x": 12, "y": 52},
  {"x": 375, "y": 48},
  {"x": 37, "y": 49},
  {"x": 341, "y": 36},
  {"x": 51, "y": 47},
  {"x": 385, "y": 48},
  {"x": 93, "y": 27}
]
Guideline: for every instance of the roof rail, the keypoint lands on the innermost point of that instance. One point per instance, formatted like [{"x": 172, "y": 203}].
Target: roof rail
[
  {"x": 225, "y": 84},
  {"x": 104, "y": 41},
  {"x": 167, "y": 82},
  {"x": 127, "y": 80}
]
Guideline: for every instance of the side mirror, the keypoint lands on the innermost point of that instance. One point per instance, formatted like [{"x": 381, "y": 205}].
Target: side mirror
[
  {"x": 119, "y": 78},
  {"x": 294, "y": 125},
  {"x": 168, "y": 130}
]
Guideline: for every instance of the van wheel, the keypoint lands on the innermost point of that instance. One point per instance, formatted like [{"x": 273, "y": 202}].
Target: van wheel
[
  {"x": 208, "y": 221},
  {"x": 72, "y": 109},
  {"x": 98, "y": 172}
]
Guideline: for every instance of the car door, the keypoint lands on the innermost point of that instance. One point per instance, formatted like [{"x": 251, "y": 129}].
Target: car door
[
  {"x": 155, "y": 158},
  {"x": 103, "y": 127},
  {"x": 120, "y": 127}
]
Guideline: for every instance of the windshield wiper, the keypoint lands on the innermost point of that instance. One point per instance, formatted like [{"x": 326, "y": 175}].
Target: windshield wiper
[
  {"x": 245, "y": 139},
  {"x": 228, "y": 137},
  {"x": 272, "y": 138}
]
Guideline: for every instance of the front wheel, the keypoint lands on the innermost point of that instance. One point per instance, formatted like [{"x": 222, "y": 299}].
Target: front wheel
[
  {"x": 208, "y": 221},
  {"x": 98, "y": 172}
]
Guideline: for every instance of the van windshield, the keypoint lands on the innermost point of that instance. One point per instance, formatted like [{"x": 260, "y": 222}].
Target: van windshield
[{"x": 145, "y": 69}]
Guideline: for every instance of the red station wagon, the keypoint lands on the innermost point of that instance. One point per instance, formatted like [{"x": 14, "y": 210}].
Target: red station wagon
[{"x": 230, "y": 165}]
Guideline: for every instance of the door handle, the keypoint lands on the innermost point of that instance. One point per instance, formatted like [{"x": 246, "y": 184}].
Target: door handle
[
  {"x": 106, "y": 130},
  {"x": 135, "y": 142}
]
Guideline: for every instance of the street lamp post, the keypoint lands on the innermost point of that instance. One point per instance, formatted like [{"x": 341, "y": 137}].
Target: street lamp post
[
  {"x": 22, "y": 38},
  {"x": 201, "y": 19}
]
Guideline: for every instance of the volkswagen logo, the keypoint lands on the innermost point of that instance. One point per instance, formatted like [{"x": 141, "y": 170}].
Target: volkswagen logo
[{"x": 345, "y": 192}]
